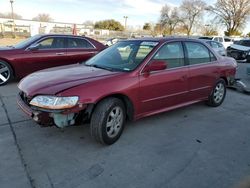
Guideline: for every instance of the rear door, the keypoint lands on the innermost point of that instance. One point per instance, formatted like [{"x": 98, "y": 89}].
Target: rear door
[
  {"x": 166, "y": 88},
  {"x": 80, "y": 49},
  {"x": 203, "y": 70}
]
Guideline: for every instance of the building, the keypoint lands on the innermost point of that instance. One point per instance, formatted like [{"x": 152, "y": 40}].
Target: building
[{"x": 27, "y": 28}]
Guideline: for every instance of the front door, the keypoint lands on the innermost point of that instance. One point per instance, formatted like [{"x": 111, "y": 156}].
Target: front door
[
  {"x": 50, "y": 52},
  {"x": 164, "y": 89}
]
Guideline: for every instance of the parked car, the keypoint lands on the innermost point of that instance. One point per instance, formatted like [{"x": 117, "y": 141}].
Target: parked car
[
  {"x": 217, "y": 46},
  {"x": 153, "y": 76},
  {"x": 44, "y": 51},
  {"x": 240, "y": 50},
  {"x": 226, "y": 41}
]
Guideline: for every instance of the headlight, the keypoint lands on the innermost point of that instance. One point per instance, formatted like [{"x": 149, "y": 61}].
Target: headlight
[{"x": 53, "y": 102}]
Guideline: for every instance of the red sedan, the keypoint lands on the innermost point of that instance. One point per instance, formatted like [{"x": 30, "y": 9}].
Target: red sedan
[
  {"x": 129, "y": 80},
  {"x": 44, "y": 51}
]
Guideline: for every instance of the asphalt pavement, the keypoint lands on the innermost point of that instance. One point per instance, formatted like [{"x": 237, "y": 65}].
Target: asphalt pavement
[{"x": 192, "y": 147}]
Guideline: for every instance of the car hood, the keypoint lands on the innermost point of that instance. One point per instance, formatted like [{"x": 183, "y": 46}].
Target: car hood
[
  {"x": 54, "y": 80},
  {"x": 240, "y": 47}
]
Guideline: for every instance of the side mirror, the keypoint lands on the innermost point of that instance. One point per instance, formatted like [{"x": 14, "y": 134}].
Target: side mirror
[
  {"x": 34, "y": 47},
  {"x": 155, "y": 65}
]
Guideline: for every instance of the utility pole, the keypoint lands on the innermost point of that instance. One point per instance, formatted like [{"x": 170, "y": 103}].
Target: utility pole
[
  {"x": 12, "y": 17},
  {"x": 125, "y": 25}
]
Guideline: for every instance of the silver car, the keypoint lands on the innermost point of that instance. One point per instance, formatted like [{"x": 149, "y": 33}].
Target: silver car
[{"x": 217, "y": 46}]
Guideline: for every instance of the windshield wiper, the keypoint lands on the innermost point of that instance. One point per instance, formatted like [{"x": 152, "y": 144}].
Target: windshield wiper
[
  {"x": 102, "y": 67},
  {"x": 10, "y": 46}
]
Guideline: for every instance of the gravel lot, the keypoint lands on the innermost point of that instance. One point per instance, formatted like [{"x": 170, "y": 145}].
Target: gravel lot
[
  {"x": 9, "y": 41},
  {"x": 192, "y": 147}
]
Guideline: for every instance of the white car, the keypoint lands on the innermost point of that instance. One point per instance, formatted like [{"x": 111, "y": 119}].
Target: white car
[{"x": 226, "y": 41}]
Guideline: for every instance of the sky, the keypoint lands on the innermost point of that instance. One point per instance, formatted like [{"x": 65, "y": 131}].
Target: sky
[{"x": 78, "y": 11}]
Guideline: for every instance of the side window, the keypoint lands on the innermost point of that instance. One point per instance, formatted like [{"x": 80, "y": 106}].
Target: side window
[
  {"x": 52, "y": 43},
  {"x": 172, "y": 54},
  {"x": 246, "y": 43},
  {"x": 79, "y": 43},
  {"x": 220, "y": 39},
  {"x": 198, "y": 53},
  {"x": 216, "y": 39}
]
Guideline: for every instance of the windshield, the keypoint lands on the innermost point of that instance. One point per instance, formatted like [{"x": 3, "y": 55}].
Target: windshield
[
  {"x": 243, "y": 43},
  {"x": 123, "y": 56},
  {"x": 26, "y": 42}
]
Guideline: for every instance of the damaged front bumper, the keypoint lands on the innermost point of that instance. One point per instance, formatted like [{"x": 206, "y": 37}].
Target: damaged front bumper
[{"x": 45, "y": 118}]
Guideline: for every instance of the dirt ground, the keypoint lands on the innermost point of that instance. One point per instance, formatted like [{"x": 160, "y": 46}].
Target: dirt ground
[{"x": 9, "y": 41}]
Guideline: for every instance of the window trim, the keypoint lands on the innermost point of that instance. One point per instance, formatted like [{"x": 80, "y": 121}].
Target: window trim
[
  {"x": 47, "y": 37},
  {"x": 76, "y": 37},
  {"x": 159, "y": 48}
]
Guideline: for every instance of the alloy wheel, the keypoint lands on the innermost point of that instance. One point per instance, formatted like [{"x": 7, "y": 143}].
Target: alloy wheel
[
  {"x": 4, "y": 73},
  {"x": 219, "y": 92},
  {"x": 114, "y": 122}
]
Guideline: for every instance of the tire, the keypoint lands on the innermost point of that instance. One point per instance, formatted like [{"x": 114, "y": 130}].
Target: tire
[
  {"x": 6, "y": 73},
  {"x": 218, "y": 94},
  {"x": 107, "y": 121}
]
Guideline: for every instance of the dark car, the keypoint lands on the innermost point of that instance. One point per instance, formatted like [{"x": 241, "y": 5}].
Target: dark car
[
  {"x": 240, "y": 50},
  {"x": 44, "y": 51},
  {"x": 130, "y": 80}
]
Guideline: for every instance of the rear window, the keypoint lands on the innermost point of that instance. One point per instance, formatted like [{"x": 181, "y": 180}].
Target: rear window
[
  {"x": 79, "y": 43},
  {"x": 244, "y": 43},
  {"x": 228, "y": 40},
  {"x": 206, "y": 38}
]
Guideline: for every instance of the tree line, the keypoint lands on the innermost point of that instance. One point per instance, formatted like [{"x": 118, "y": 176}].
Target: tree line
[{"x": 231, "y": 14}]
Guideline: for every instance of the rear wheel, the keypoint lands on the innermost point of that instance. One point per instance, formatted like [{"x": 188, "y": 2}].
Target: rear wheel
[
  {"x": 6, "y": 73},
  {"x": 218, "y": 94},
  {"x": 107, "y": 121}
]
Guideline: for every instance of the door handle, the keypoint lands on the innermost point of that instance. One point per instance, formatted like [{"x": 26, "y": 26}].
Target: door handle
[{"x": 60, "y": 53}]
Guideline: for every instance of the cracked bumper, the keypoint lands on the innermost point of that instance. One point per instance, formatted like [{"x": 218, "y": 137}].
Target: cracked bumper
[{"x": 42, "y": 118}]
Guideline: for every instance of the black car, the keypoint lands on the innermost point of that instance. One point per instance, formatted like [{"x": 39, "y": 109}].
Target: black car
[{"x": 240, "y": 50}]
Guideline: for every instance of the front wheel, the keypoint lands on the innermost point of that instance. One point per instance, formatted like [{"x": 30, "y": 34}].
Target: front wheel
[
  {"x": 218, "y": 94},
  {"x": 107, "y": 121},
  {"x": 6, "y": 73}
]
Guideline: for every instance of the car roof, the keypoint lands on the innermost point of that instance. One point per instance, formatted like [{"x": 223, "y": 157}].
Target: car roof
[
  {"x": 206, "y": 40},
  {"x": 164, "y": 39},
  {"x": 60, "y": 35}
]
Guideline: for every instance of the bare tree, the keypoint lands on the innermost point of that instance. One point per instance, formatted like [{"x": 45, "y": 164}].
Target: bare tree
[
  {"x": 232, "y": 13},
  {"x": 169, "y": 18},
  {"x": 191, "y": 12},
  {"x": 209, "y": 30},
  {"x": 43, "y": 18},
  {"x": 147, "y": 27}
]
